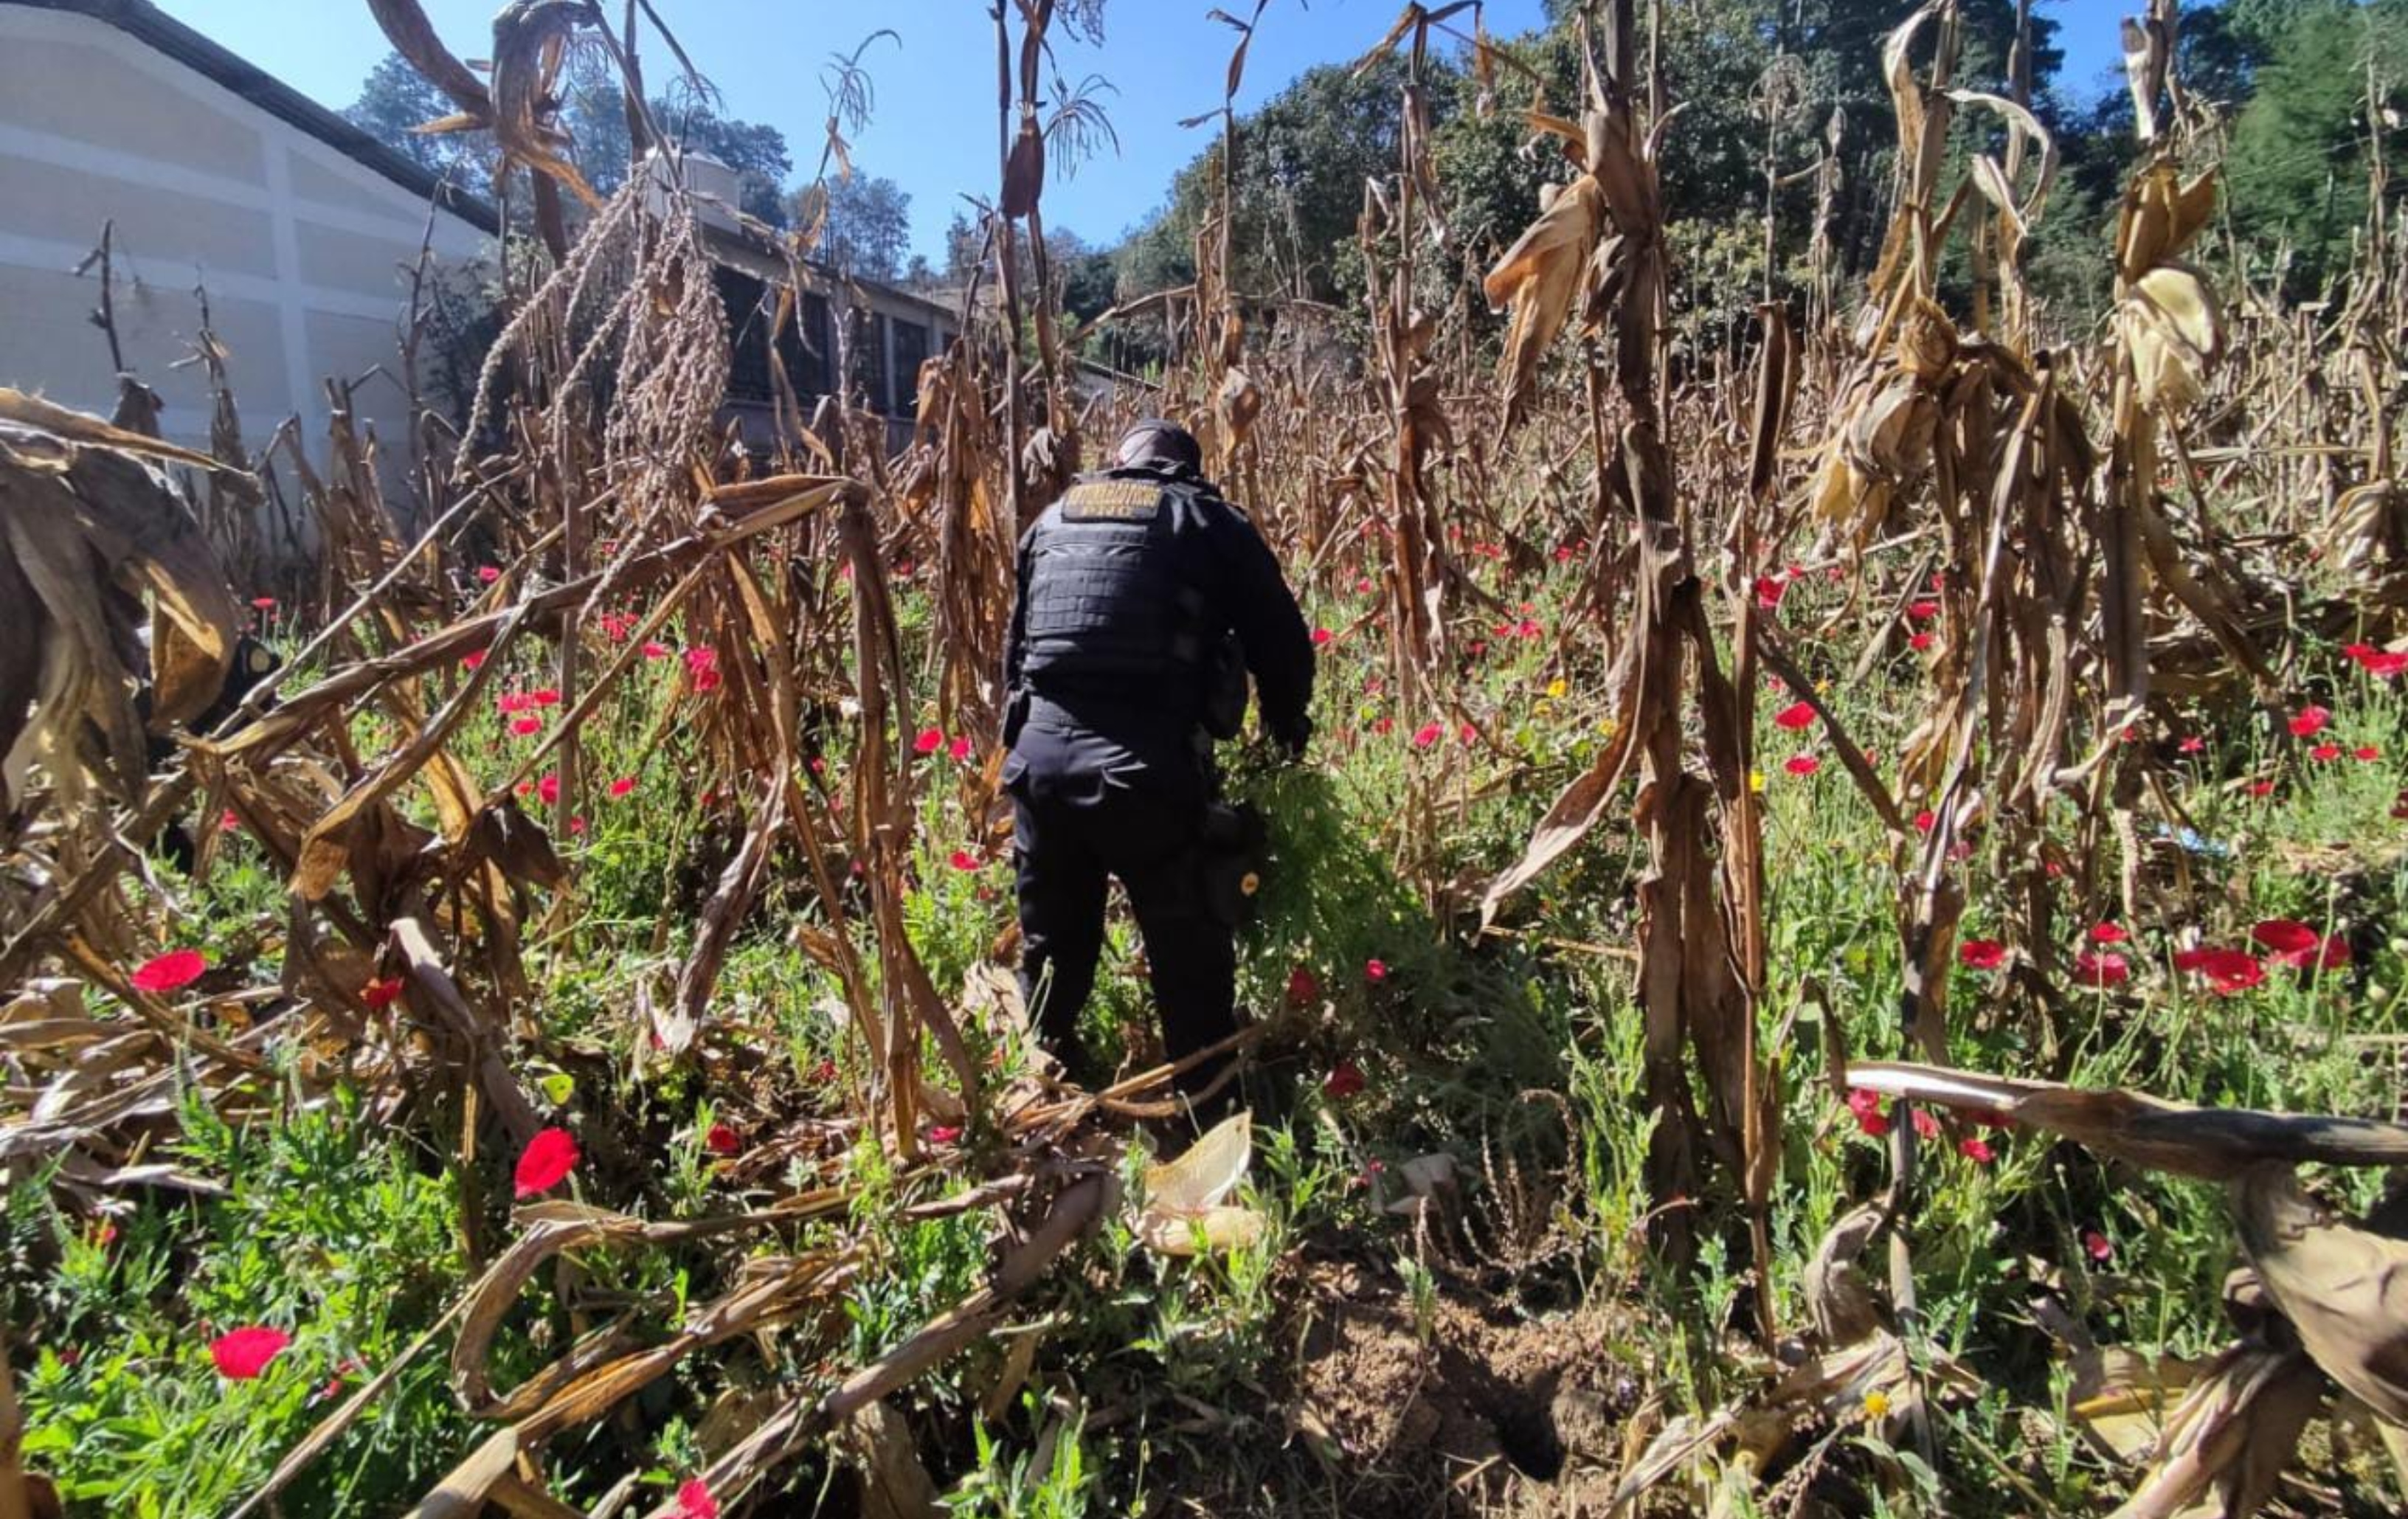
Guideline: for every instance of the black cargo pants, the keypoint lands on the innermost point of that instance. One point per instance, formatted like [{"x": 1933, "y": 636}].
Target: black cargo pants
[{"x": 1070, "y": 833}]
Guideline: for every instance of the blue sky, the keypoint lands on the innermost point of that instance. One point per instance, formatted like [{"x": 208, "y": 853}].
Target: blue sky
[{"x": 933, "y": 128}]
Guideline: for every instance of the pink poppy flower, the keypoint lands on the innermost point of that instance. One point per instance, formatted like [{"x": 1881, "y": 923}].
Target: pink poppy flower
[
  {"x": 548, "y": 788},
  {"x": 2323, "y": 752},
  {"x": 1801, "y": 765},
  {"x": 963, "y": 860},
  {"x": 620, "y": 787},
  {"x": 546, "y": 1162},
  {"x": 169, "y": 973},
  {"x": 1982, "y": 954},
  {"x": 1795, "y": 716},
  {"x": 2366, "y": 753},
  {"x": 654, "y": 649},
  {"x": 929, "y": 741},
  {"x": 265, "y": 604},
  {"x": 2096, "y": 1245},
  {"x": 960, "y": 748},
  {"x": 1923, "y": 611},
  {"x": 1976, "y": 1150},
  {"x": 1867, "y": 1107},
  {"x": 1345, "y": 1080},
  {"x": 2192, "y": 744},
  {"x": 488, "y": 574},
  {"x": 1926, "y": 821},
  {"x": 228, "y": 820},
  {"x": 243, "y": 1354},
  {"x": 2309, "y": 721},
  {"x": 944, "y": 1133},
  {"x": 474, "y": 659},
  {"x": 1375, "y": 971},
  {"x": 1426, "y": 735},
  {"x": 1920, "y": 642},
  {"x": 1925, "y": 1127},
  {"x": 1322, "y": 635},
  {"x": 526, "y": 727},
  {"x": 2108, "y": 933},
  {"x": 695, "y": 1501},
  {"x": 2101, "y": 969}
]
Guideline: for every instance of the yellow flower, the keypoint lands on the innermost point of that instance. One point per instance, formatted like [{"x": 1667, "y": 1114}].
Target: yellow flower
[
  {"x": 1876, "y": 1404},
  {"x": 1755, "y": 781},
  {"x": 1556, "y": 688},
  {"x": 1606, "y": 725}
]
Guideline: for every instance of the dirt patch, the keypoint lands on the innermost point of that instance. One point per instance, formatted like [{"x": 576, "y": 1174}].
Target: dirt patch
[{"x": 1476, "y": 1409}]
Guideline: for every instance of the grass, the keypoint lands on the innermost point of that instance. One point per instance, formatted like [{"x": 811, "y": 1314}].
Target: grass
[{"x": 347, "y": 1230}]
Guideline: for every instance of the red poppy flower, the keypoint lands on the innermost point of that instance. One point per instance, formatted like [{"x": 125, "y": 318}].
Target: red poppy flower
[
  {"x": 2108, "y": 933},
  {"x": 2367, "y": 752},
  {"x": 1867, "y": 1107},
  {"x": 1982, "y": 954},
  {"x": 1795, "y": 716},
  {"x": 1375, "y": 970},
  {"x": 473, "y": 659},
  {"x": 547, "y": 1160},
  {"x": 1920, "y": 642},
  {"x": 510, "y": 702},
  {"x": 944, "y": 1133},
  {"x": 929, "y": 741},
  {"x": 1563, "y": 554},
  {"x": 2308, "y": 721},
  {"x": 2262, "y": 788},
  {"x": 243, "y": 1354},
  {"x": 577, "y": 825},
  {"x": 2095, "y": 1246},
  {"x": 1925, "y": 820},
  {"x": 964, "y": 860},
  {"x": 488, "y": 574},
  {"x": 695, "y": 1500},
  {"x": 656, "y": 650},
  {"x": 1923, "y": 611},
  {"x": 625, "y": 784},
  {"x": 526, "y": 727},
  {"x": 547, "y": 696},
  {"x": 722, "y": 1140},
  {"x": 2193, "y": 744},
  {"x": 1322, "y": 635},
  {"x": 228, "y": 820},
  {"x": 265, "y": 604},
  {"x": 1976, "y": 1150},
  {"x": 824, "y": 1072},
  {"x": 1345, "y": 1080},
  {"x": 2101, "y": 970},
  {"x": 2298, "y": 945},
  {"x": 1768, "y": 590},
  {"x": 1801, "y": 765},
  {"x": 960, "y": 748},
  {"x": 2227, "y": 970},
  {"x": 1426, "y": 735},
  {"x": 1384, "y": 726},
  {"x": 1303, "y": 988},
  {"x": 169, "y": 973},
  {"x": 2385, "y": 664},
  {"x": 2323, "y": 753},
  {"x": 1925, "y": 1127},
  {"x": 383, "y": 992}
]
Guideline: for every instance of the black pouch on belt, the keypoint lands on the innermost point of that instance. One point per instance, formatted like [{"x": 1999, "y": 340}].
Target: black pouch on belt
[{"x": 1236, "y": 841}]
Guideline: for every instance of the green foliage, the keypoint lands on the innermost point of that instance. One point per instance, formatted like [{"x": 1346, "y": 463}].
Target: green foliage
[{"x": 2328, "y": 79}]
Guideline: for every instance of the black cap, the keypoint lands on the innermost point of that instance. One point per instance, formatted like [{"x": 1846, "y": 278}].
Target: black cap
[{"x": 1159, "y": 443}]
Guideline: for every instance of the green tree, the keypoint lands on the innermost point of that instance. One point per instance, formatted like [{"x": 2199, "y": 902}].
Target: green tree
[
  {"x": 394, "y": 100},
  {"x": 2297, "y": 173},
  {"x": 868, "y": 225}
]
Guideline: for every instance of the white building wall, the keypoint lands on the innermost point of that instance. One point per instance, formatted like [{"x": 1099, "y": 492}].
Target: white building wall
[{"x": 302, "y": 250}]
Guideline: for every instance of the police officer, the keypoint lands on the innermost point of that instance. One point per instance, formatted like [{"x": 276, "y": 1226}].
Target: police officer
[{"x": 1132, "y": 589}]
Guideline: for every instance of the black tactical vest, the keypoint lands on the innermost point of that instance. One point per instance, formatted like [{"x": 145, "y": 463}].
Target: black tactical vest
[{"x": 1112, "y": 608}]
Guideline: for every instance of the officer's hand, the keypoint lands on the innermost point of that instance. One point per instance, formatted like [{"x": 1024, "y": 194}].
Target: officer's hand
[{"x": 1292, "y": 742}]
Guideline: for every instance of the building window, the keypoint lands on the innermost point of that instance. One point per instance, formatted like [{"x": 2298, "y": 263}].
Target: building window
[
  {"x": 748, "y": 334},
  {"x": 910, "y": 352}
]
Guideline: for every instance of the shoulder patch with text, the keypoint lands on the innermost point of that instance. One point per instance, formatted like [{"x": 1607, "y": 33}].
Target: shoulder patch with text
[{"x": 1111, "y": 501}]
